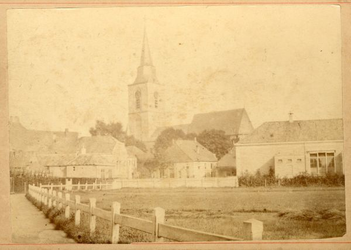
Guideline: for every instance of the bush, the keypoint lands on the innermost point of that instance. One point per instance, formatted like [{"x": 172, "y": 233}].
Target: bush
[{"x": 302, "y": 180}]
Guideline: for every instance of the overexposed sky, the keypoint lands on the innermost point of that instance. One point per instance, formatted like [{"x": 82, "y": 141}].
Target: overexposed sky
[{"x": 69, "y": 67}]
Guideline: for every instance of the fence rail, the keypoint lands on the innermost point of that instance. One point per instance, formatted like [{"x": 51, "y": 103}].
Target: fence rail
[
  {"x": 54, "y": 199},
  {"x": 150, "y": 183}
]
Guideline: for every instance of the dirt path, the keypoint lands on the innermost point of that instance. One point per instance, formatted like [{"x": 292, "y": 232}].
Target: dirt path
[{"x": 29, "y": 224}]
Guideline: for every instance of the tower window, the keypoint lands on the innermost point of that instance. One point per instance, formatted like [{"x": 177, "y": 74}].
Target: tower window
[
  {"x": 138, "y": 99},
  {"x": 156, "y": 99}
]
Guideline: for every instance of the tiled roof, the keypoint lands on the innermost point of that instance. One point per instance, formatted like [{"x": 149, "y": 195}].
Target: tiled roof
[
  {"x": 98, "y": 144},
  {"x": 55, "y": 159},
  {"x": 230, "y": 121},
  {"x": 188, "y": 151},
  {"x": 138, "y": 153},
  {"x": 37, "y": 140},
  {"x": 296, "y": 131},
  {"x": 228, "y": 160},
  {"x": 93, "y": 160}
]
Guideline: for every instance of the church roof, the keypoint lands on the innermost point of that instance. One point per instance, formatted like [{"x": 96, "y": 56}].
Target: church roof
[
  {"x": 188, "y": 151},
  {"x": 230, "y": 121},
  {"x": 296, "y": 131}
]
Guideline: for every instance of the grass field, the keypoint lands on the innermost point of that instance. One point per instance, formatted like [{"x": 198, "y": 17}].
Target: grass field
[{"x": 223, "y": 211}]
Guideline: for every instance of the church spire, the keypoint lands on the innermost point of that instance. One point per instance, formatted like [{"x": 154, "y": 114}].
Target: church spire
[
  {"x": 145, "y": 52},
  {"x": 146, "y": 70}
]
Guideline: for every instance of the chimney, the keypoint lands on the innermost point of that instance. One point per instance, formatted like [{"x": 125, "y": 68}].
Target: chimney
[
  {"x": 66, "y": 131},
  {"x": 291, "y": 120},
  {"x": 54, "y": 137}
]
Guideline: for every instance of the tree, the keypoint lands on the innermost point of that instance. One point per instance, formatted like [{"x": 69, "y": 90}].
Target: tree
[
  {"x": 164, "y": 140},
  {"x": 114, "y": 129},
  {"x": 131, "y": 141},
  {"x": 215, "y": 141}
]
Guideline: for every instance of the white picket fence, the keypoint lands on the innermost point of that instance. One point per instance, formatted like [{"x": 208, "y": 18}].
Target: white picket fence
[
  {"x": 211, "y": 182},
  {"x": 51, "y": 198}
]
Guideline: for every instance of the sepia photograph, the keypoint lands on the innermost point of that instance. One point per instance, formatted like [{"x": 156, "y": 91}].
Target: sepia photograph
[{"x": 176, "y": 124}]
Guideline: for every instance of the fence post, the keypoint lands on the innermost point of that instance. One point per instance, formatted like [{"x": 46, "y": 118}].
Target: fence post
[
  {"x": 92, "y": 221},
  {"x": 50, "y": 198},
  {"x": 59, "y": 202},
  {"x": 253, "y": 229},
  {"x": 116, "y": 209},
  {"x": 67, "y": 209},
  {"x": 77, "y": 214},
  {"x": 93, "y": 185},
  {"x": 60, "y": 185},
  {"x": 86, "y": 185},
  {"x": 54, "y": 198},
  {"x": 159, "y": 217},
  {"x": 45, "y": 197},
  {"x": 51, "y": 186},
  {"x": 78, "y": 186}
]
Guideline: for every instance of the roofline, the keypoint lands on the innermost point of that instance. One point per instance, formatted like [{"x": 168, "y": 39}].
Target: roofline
[
  {"x": 221, "y": 111},
  {"x": 276, "y": 143}
]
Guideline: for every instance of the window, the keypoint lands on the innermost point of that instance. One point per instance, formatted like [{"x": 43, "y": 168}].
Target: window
[
  {"x": 299, "y": 160},
  {"x": 289, "y": 160},
  {"x": 280, "y": 161},
  {"x": 74, "y": 168},
  {"x": 156, "y": 99},
  {"x": 322, "y": 163},
  {"x": 138, "y": 99}
]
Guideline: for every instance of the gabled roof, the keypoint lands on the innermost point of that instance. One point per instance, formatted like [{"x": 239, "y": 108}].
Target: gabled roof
[
  {"x": 98, "y": 144},
  {"x": 230, "y": 121},
  {"x": 93, "y": 160},
  {"x": 228, "y": 160},
  {"x": 37, "y": 140},
  {"x": 138, "y": 153},
  {"x": 55, "y": 159},
  {"x": 188, "y": 151},
  {"x": 296, "y": 131}
]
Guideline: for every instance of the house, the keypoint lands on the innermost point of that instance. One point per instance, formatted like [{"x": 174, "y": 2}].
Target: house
[
  {"x": 101, "y": 157},
  {"x": 292, "y": 147},
  {"x": 25, "y": 144},
  {"x": 187, "y": 159},
  {"x": 226, "y": 166},
  {"x": 142, "y": 157},
  {"x": 64, "y": 155}
]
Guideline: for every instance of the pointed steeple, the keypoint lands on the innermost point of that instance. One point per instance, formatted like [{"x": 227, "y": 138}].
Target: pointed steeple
[
  {"x": 145, "y": 59},
  {"x": 146, "y": 70}
]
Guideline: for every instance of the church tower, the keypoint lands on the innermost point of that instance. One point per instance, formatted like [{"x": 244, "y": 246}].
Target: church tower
[{"x": 146, "y": 98}]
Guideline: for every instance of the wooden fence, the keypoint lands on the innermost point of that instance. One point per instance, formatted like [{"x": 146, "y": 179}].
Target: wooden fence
[
  {"x": 150, "y": 183},
  {"x": 56, "y": 199}
]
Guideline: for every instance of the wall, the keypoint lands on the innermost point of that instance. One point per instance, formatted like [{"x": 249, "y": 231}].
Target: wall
[
  {"x": 251, "y": 158},
  {"x": 189, "y": 170}
]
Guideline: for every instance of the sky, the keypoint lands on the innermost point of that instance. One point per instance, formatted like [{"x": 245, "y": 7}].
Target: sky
[{"x": 69, "y": 67}]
